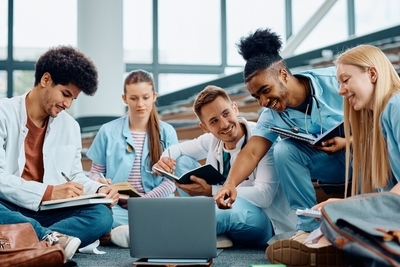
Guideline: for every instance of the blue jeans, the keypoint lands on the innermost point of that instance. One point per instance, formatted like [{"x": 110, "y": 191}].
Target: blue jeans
[
  {"x": 8, "y": 216},
  {"x": 296, "y": 164},
  {"x": 88, "y": 223},
  {"x": 244, "y": 223}
]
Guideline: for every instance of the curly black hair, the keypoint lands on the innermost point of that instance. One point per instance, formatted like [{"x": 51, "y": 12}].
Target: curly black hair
[
  {"x": 260, "y": 49},
  {"x": 68, "y": 65}
]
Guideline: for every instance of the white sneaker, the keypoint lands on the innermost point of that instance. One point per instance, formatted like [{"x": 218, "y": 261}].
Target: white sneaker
[
  {"x": 223, "y": 241},
  {"x": 120, "y": 236},
  {"x": 70, "y": 244}
]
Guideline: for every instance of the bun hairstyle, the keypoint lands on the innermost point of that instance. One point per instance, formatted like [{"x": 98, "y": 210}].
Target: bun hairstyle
[{"x": 260, "y": 50}]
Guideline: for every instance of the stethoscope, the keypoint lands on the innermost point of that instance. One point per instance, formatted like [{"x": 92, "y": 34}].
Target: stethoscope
[
  {"x": 296, "y": 129},
  {"x": 130, "y": 149}
]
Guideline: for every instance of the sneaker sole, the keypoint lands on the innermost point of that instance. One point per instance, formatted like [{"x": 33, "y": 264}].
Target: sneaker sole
[
  {"x": 72, "y": 247},
  {"x": 224, "y": 244},
  {"x": 295, "y": 254}
]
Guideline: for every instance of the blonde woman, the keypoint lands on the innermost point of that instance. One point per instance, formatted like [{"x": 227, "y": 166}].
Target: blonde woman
[{"x": 370, "y": 85}]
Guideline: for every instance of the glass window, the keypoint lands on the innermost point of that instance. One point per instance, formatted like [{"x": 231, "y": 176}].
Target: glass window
[
  {"x": 233, "y": 70},
  {"x": 300, "y": 17},
  {"x": 244, "y": 17},
  {"x": 372, "y": 17},
  {"x": 138, "y": 31},
  {"x": 335, "y": 21},
  {"x": 189, "y": 32},
  {"x": 3, "y": 84},
  {"x": 35, "y": 32},
  {"x": 3, "y": 29},
  {"x": 169, "y": 83},
  {"x": 23, "y": 81}
]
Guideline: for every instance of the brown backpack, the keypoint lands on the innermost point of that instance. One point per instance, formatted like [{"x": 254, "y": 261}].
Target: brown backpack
[{"x": 20, "y": 247}]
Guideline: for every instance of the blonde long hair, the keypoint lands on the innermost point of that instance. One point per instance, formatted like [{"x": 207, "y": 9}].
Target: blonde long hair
[{"x": 371, "y": 168}]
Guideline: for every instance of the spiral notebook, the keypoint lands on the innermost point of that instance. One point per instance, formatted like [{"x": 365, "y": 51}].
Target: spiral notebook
[{"x": 337, "y": 130}]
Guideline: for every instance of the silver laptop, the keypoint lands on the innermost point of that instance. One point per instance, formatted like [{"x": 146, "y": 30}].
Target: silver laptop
[{"x": 176, "y": 229}]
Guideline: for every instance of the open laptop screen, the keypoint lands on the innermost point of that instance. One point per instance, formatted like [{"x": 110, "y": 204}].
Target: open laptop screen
[{"x": 172, "y": 228}]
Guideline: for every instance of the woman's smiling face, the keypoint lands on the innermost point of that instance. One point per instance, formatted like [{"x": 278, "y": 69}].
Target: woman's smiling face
[{"x": 356, "y": 85}]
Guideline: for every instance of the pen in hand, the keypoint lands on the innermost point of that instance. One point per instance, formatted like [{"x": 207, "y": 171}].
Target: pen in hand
[
  {"x": 66, "y": 177},
  {"x": 104, "y": 178},
  {"x": 169, "y": 157}
]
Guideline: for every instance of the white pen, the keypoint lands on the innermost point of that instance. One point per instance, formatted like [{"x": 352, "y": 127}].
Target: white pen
[
  {"x": 169, "y": 157},
  {"x": 104, "y": 178}
]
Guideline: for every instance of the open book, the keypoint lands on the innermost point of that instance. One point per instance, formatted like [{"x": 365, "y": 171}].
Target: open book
[
  {"x": 125, "y": 188},
  {"x": 206, "y": 172},
  {"x": 98, "y": 198},
  {"x": 337, "y": 130}
]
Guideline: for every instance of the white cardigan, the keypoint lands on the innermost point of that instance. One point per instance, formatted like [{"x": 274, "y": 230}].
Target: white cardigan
[
  {"x": 262, "y": 189},
  {"x": 61, "y": 153}
]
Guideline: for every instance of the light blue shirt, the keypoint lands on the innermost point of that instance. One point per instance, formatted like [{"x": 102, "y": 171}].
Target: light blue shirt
[
  {"x": 109, "y": 148},
  {"x": 391, "y": 131},
  {"x": 327, "y": 108}
]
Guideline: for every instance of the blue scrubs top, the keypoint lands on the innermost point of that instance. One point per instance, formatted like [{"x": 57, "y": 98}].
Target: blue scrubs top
[
  {"x": 326, "y": 112},
  {"x": 110, "y": 149},
  {"x": 391, "y": 131}
]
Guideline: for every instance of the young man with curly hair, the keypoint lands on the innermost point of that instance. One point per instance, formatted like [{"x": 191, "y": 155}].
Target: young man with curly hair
[{"x": 38, "y": 142}]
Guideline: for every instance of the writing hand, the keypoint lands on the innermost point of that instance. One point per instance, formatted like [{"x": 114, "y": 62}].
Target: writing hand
[
  {"x": 166, "y": 164},
  {"x": 104, "y": 180},
  {"x": 111, "y": 193},
  {"x": 67, "y": 190}
]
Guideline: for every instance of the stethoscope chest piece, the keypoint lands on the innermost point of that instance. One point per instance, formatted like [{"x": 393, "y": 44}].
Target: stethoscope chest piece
[
  {"x": 129, "y": 148},
  {"x": 295, "y": 129}
]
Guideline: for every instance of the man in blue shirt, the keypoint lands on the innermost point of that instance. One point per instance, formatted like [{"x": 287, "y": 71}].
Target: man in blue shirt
[{"x": 307, "y": 102}]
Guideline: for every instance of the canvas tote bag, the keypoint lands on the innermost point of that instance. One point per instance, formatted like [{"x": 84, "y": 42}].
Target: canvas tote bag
[{"x": 367, "y": 227}]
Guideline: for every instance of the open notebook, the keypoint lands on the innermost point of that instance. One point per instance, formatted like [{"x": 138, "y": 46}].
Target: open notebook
[
  {"x": 337, "y": 130},
  {"x": 206, "y": 172},
  {"x": 98, "y": 198}
]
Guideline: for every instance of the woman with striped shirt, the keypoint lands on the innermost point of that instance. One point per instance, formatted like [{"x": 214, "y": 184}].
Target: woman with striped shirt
[{"x": 126, "y": 148}]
